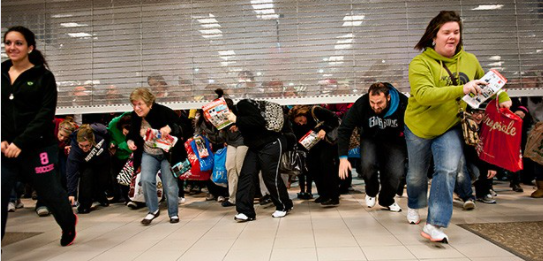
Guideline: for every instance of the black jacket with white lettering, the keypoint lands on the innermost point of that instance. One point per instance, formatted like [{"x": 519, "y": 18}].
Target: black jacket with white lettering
[{"x": 387, "y": 126}]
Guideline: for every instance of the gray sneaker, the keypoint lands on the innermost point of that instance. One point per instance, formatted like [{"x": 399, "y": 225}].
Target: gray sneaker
[
  {"x": 43, "y": 211},
  {"x": 469, "y": 204}
]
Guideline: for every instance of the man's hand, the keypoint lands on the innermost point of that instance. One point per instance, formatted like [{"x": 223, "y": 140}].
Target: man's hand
[
  {"x": 344, "y": 168},
  {"x": 491, "y": 174},
  {"x": 5, "y": 145},
  {"x": 72, "y": 200},
  {"x": 473, "y": 87},
  {"x": 506, "y": 104},
  {"x": 233, "y": 128}
]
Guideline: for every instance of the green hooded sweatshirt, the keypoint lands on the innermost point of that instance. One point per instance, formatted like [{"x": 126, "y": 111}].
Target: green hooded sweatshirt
[{"x": 432, "y": 109}]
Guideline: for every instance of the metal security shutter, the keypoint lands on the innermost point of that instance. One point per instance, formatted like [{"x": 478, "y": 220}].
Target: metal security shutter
[{"x": 295, "y": 52}]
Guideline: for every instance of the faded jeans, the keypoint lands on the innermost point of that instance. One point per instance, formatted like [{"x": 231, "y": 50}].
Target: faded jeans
[
  {"x": 446, "y": 151},
  {"x": 150, "y": 165}
]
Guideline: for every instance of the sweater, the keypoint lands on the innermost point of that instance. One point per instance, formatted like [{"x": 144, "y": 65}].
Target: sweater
[
  {"x": 432, "y": 108},
  {"x": 118, "y": 139},
  {"x": 28, "y": 107},
  {"x": 387, "y": 126}
]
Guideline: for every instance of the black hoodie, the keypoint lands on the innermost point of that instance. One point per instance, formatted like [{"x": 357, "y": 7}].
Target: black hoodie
[{"x": 28, "y": 107}]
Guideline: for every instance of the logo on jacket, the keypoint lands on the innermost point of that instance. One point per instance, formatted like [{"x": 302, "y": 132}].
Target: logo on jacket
[
  {"x": 97, "y": 150},
  {"x": 377, "y": 121}
]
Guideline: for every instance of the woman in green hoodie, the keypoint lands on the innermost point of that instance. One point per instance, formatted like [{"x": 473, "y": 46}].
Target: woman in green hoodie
[{"x": 439, "y": 77}]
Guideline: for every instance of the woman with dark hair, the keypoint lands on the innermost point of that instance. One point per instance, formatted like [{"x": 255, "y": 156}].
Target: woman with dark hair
[
  {"x": 322, "y": 159},
  {"x": 439, "y": 77},
  {"x": 147, "y": 115},
  {"x": 29, "y": 149}
]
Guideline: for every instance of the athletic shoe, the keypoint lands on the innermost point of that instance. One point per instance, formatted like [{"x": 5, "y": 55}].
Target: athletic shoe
[
  {"x": 68, "y": 237},
  {"x": 395, "y": 207},
  {"x": 469, "y": 204},
  {"x": 413, "y": 216},
  {"x": 493, "y": 193},
  {"x": 370, "y": 201},
  {"x": 487, "y": 200},
  {"x": 132, "y": 205},
  {"x": 11, "y": 207},
  {"x": 182, "y": 200},
  {"x": 150, "y": 216},
  {"x": 330, "y": 203},
  {"x": 434, "y": 234},
  {"x": 221, "y": 199},
  {"x": 227, "y": 204},
  {"x": 43, "y": 211},
  {"x": 265, "y": 200},
  {"x": 281, "y": 213},
  {"x": 242, "y": 218}
]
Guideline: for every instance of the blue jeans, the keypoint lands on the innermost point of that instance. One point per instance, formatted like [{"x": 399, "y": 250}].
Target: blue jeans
[
  {"x": 150, "y": 165},
  {"x": 468, "y": 174},
  {"x": 446, "y": 151}
]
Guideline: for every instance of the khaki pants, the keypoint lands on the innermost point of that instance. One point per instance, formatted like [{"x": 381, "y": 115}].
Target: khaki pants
[{"x": 234, "y": 162}]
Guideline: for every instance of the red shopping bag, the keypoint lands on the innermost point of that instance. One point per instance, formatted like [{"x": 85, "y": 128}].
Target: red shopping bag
[
  {"x": 499, "y": 143},
  {"x": 194, "y": 173}
]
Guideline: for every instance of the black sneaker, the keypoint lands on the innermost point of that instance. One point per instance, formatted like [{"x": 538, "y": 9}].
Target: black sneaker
[
  {"x": 330, "y": 203},
  {"x": 227, "y": 204},
  {"x": 265, "y": 200},
  {"x": 517, "y": 188},
  {"x": 68, "y": 237},
  {"x": 320, "y": 200}
]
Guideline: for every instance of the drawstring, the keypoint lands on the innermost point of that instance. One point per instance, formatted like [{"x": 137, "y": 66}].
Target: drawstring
[
  {"x": 440, "y": 71},
  {"x": 458, "y": 67}
]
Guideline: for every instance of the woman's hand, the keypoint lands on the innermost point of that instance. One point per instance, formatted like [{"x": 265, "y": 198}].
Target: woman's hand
[
  {"x": 344, "y": 168},
  {"x": 5, "y": 145},
  {"x": 232, "y": 117},
  {"x": 12, "y": 151},
  {"x": 165, "y": 131},
  {"x": 473, "y": 87},
  {"x": 321, "y": 134},
  {"x": 491, "y": 174},
  {"x": 72, "y": 200},
  {"x": 143, "y": 132},
  {"x": 131, "y": 145},
  {"x": 506, "y": 104}
]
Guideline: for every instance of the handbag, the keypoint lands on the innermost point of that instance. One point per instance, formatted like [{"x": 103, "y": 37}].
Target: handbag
[
  {"x": 136, "y": 189},
  {"x": 500, "y": 138},
  {"x": 125, "y": 175},
  {"x": 293, "y": 162},
  {"x": 272, "y": 113},
  {"x": 354, "y": 141},
  {"x": 195, "y": 173},
  {"x": 534, "y": 144},
  {"x": 331, "y": 136},
  {"x": 219, "y": 175}
]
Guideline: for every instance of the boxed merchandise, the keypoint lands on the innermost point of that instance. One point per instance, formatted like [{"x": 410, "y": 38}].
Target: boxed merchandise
[
  {"x": 309, "y": 140},
  {"x": 216, "y": 112},
  {"x": 495, "y": 82},
  {"x": 164, "y": 143}
]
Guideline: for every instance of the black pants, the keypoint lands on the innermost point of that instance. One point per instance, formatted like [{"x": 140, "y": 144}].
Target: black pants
[
  {"x": 265, "y": 159},
  {"x": 322, "y": 162},
  {"x": 38, "y": 166},
  {"x": 389, "y": 159},
  {"x": 92, "y": 184},
  {"x": 119, "y": 191}
]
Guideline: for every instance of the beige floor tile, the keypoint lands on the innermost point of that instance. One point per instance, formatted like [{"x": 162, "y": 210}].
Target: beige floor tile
[
  {"x": 159, "y": 255},
  {"x": 298, "y": 254},
  {"x": 76, "y": 255},
  {"x": 484, "y": 249},
  {"x": 340, "y": 253},
  {"x": 387, "y": 252},
  {"x": 248, "y": 254},
  {"x": 435, "y": 251},
  {"x": 202, "y": 254},
  {"x": 377, "y": 240},
  {"x": 117, "y": 256}
]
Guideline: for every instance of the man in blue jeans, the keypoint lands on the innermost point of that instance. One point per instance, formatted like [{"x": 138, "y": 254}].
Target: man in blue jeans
[{"x": 379, "y": 114}]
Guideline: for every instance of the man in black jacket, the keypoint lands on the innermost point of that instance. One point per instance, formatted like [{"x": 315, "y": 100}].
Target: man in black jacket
[{"x": 380, "y": 117}]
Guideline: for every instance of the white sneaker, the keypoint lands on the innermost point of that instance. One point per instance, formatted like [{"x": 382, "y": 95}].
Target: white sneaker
[
  {"x": 11, "y": 207},
  {"x": 242, "y": 218},
  {"x": 370, "y": 201},
  {"x": 221, "y": 199},
  {"x": 182, "y": 200},
  {"x": 434, "y": 234},
  {"x": 469, "y": 204},
  {"x": 413, "y": 216},
  {"x": 19, "y": 204},
  {"x": 279, "y": 214},
  {"x": 395, "y": 207},
  {"x": 43, "y": 211}
]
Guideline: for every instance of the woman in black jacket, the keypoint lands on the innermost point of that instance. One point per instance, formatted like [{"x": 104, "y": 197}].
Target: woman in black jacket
[
  {"x": 264, "y": 154},
  {"x": 150, "y": 115},
  {"x": 322, "y": 159},
  {"x": 29, "y": 147}
]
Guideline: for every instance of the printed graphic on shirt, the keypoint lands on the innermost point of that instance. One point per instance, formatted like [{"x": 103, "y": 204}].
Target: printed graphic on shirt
[
  {"x": 382, "y": 123},
  {"x": 44, "y": 160},
  {"x": 96, "y": 150}
]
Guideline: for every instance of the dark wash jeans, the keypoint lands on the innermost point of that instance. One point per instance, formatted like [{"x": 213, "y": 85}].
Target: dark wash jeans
[{"x": 387, "y": 157}]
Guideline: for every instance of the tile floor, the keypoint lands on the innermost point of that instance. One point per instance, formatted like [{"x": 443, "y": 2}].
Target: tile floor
[{"x": 208, "y": 231}]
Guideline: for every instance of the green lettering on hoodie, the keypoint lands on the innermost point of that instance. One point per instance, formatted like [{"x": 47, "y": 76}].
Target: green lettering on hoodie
[{"x": 432, "y": 107}]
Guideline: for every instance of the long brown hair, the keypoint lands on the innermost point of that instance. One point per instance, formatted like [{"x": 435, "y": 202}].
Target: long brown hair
[{"x": 299, "y": 110}]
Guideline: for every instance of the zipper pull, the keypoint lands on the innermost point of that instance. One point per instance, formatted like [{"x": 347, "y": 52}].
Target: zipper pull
[{"x": 11, "y": 96}]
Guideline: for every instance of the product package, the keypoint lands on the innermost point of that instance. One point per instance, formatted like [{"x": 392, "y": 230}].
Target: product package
[
  {"x": 495, "y": 82},
  {"x": 309, "y": 140},
  {"x": 164, "y": 143},
  {"x": 216, "y": 112}
]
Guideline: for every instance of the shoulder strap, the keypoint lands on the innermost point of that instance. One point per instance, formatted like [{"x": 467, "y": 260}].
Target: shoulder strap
[
  {"x": 313, "y": 114},
  {"x": 453, "y": 79}
]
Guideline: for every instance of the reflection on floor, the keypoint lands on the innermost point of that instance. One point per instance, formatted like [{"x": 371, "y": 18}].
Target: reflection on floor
[{"x": 207, "y": 231}]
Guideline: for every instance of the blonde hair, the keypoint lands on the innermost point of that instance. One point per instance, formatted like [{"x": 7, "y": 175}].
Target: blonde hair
[
  {"x": 85, "y": 133},
  {"x": 143, "y": 94}
]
